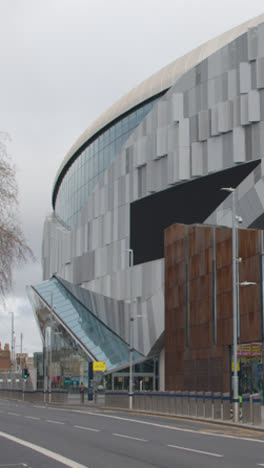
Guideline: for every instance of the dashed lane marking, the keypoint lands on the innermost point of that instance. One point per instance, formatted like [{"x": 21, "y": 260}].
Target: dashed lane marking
[
  {"x": 14, "y": 464},
  {"x": 14, "y": 414},
  {"x": 187, "y": 449},
  {"x": 54, "y": 422},
  {"x": 31, "y": 417},
  {"x": 129, "y": 437},
  {"x": 88, "y": 428}
]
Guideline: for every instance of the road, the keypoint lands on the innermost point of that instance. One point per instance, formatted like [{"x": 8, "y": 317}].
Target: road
[{"x": 38, "y": 436}]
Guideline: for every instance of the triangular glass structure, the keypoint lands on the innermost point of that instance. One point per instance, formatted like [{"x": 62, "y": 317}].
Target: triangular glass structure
[{"x": 75, "y": 310}]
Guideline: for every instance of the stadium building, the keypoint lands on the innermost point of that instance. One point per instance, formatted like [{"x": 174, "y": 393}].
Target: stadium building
[{"x": 158, "y": 156}]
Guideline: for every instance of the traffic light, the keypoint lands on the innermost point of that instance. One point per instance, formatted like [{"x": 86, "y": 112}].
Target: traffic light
[{"x": 25, "y": 373}]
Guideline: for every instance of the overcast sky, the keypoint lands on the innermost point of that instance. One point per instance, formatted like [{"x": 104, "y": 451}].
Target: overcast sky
[{"x": 63, "y": 63}]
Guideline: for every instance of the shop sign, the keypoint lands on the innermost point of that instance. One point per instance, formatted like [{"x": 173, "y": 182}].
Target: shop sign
[{"x": 250, "y": 351}]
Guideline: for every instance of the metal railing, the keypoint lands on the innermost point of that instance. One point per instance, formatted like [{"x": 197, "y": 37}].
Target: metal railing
[{"x": 205, "y": 405}]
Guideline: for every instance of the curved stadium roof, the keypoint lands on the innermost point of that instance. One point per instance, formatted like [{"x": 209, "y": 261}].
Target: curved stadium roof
[{"x": 160, "y": 81}]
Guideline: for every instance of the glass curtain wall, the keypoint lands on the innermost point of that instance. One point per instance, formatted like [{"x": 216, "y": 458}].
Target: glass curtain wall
[{"x": 88, "y": 168}]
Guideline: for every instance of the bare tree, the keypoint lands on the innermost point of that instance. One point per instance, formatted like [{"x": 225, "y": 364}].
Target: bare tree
[{"x": 14, "y": 250}]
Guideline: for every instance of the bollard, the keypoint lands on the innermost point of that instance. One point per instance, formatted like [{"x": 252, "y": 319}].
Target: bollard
[
  {"x": 192, "y": 404},
  {"x": 217, "y": 405},
  {"x": 256, "y": 409},
  {"x": 185, "y": 403},
  {"x": 246, "y": 408},
  {"x": 208, "y": 404},
  {"x": 200, "y": 404},
  {"x": 226, "y": 407},
  {"x": 178, "y": 402}
]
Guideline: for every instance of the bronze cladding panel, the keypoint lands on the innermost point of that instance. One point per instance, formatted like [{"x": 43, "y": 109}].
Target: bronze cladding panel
[{"x": 204, "y": 365}]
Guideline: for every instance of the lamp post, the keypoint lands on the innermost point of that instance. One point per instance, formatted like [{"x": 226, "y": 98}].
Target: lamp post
[
  {"x": 234, "y": 288},
  {"x": 48, "y": 347},
  {"x": 131, "y": 349},
  {"x": 131, "y": 332},
  {"x": 13, "y": 353}
]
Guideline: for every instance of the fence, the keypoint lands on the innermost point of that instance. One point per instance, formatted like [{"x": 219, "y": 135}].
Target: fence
[
  {"x": 35, "y": 396},
  {"x": 206, "y": 405},
  {"x": 13, "y": 386}
]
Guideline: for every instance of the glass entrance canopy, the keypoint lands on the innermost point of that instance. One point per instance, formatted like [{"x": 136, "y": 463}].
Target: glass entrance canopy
[{"x": 60, "y": 304}]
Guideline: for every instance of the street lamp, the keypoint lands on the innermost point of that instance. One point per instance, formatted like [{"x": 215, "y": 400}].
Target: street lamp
[
  {"x": 234, "y": 264},
  {"x": 13, "y": 352},
  {"x": 236, "y": 284},
  {"x": 48, "y": 355},
  {"x": 131, "y": 331},
  {"x": 131, "y": 349}
]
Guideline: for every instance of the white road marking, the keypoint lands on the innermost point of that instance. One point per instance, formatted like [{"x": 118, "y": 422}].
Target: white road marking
[
  {"x": 16, "y": 464},
  {"x": 38, "y": 406},
  {"x": 31, "y": 417},
  {"x": 129, "y": 437},
  {"x": 54, "y": 422},
  {"x": 43, "y": 451},
  {"x": 87, "y": 428},
  {"x": 14, "y": 414},
  {"x": 197, "y": 451},
  {"x": 173, "y": 428}
]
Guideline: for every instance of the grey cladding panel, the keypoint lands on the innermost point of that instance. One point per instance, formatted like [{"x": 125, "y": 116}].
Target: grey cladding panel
[{"x": 252, "y": 44}]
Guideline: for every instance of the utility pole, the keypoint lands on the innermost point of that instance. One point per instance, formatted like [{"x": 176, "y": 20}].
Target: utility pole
[{"x": 12, "y": 342}]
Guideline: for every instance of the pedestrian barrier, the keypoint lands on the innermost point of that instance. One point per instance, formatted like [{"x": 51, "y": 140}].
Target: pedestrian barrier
[
  {"x": 256, "y": 409},
  {"x": 185, "y": 403},
  {"x": 179, "y": 402},
  {"x": 217, "y": 397},
  {"x": 226, "y": 406},
  {"x": 35, "y": 396},
  {"x": 205, "y": 405},
  {"x": 200, "y": 404},
  {"x": 246, "y": 411},
  {"x": 192, "y": 404},
  {"x": 208, "y": 404},
  {"x": 117, "y": 399}
]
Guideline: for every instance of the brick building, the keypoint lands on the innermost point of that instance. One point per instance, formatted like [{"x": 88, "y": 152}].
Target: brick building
[{"x": 5, "y": 358}]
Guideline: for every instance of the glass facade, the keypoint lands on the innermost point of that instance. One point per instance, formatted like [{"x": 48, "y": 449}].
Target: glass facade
[
  {"x": 86, "y": 170},
  {"x": 86, "y": 331},
  {"x": 145, "y": 376}
]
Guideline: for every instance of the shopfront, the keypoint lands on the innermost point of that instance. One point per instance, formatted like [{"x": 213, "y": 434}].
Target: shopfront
[{"x": 250, "y": 368}]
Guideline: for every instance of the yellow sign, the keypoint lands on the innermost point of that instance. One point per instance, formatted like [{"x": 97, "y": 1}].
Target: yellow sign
[
  {"x": 238, "y": 366},
  {"x": 99, "y": 366}
]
